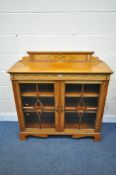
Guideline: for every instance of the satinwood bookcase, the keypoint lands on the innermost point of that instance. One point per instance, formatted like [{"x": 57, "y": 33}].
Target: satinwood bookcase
[{"x": 60, "y": 93}]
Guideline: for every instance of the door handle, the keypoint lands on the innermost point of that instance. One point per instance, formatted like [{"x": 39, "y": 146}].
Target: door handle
[
  {"x": 62, "y": 108},
  {"x": 59, "y": 109}
]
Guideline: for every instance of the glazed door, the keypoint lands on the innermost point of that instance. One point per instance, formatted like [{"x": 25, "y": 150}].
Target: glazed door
[
  {"x": 81, "y": 105},
  {"x": 38, "y": 103}
]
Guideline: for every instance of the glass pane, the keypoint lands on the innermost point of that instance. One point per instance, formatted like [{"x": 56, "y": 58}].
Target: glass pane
[
  {"x": 74, "y": 121},
  {"x": 73, "y": 87},
  {"x": 88, "y": 121},
  {"x": 91, "y": 87},
  {"x": 75, "y": 101},
  {"x": 43, "y": 87},
  {"x": 33, "y": 120},
  {"x": 71, "y": 120},
  {"x": 86, "y": 88},
  {"x": 45, "y": 101}
]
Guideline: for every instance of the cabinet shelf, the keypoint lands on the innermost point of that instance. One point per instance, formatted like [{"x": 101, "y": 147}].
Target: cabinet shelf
[
  {"x": 67, "y": 94},
  {"x": 34, "y": 94},
  {"x": 73, "y": 108},
  {"x": 37, "y": 126},
  {"x": 73, "y": 127},
  {"x": 78, "y": 94},
  {"x": 31, "y": 109}
]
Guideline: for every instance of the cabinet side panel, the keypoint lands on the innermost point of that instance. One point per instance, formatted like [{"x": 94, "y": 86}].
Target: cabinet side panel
[
  {"x": 101, "y": 104},
  {"x": 17, "y": 97}
]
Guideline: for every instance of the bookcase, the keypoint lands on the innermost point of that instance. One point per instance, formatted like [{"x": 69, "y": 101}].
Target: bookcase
[{"x": 60, "y": 93}]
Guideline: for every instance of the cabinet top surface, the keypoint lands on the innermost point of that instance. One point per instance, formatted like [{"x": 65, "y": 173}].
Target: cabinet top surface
[{"x": 60, "y": 62}]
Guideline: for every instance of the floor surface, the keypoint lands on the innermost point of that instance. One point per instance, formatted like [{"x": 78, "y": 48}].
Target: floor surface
[{"x": 56, "y": 155}]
